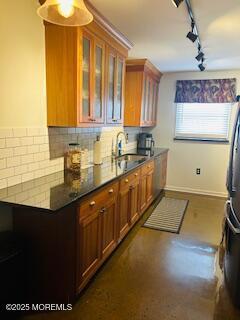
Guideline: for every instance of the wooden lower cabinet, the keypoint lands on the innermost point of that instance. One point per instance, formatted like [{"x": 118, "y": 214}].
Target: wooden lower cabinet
[
  {"x": 124, "y": 201},
  {"x": 149, "y": 191},
  {"x": 106, "y": 216},
  {"x": 143, "y": 193},
  {"x": 134, "y": 202},
  {"x": 90, "y": 245},
  {"x": 146, "y": 186},
  {"x": 128, "y": 202},
  {"x": 96, "y": 235},
  {"x": 109, "y": 228}
]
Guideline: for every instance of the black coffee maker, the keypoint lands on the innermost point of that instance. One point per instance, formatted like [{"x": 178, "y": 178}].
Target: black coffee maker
[{"x": 145, "y": 141}]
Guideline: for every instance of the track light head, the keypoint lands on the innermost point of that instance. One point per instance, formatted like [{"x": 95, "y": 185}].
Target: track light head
[
  {"x": 177, "y": 3},
  {"x": 200, "y": 56},
  {"x": 201, "y": 67},
  {"x": 192, "y": 36}
]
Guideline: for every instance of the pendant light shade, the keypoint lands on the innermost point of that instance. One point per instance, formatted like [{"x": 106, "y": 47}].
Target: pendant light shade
[{"x": 70, "y": 13}]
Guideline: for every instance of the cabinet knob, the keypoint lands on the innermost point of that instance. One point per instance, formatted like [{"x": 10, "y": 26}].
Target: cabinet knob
[
  {"x": 149, "y": 167},
  {"x": 92, "y": 203},
  {"x": 136, "y": 174},
  {"x": 110, "y": 191},
  {"x": 103, "y": 210},
  {"x": 126, "y": 180}
]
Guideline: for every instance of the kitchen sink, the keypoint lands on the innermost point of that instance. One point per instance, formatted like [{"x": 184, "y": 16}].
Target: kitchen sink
[{"x": 131, "y": 157}]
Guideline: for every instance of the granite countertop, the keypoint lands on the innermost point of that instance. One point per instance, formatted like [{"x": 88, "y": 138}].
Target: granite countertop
[{"x": 55, "y": 191}]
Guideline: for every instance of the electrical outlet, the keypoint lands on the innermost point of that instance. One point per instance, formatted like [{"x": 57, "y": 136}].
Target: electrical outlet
[{"x": 198, "y": 171}]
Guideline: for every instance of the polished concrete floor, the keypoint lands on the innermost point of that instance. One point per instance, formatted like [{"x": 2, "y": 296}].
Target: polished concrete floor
[{"x": 156, "y": 275}]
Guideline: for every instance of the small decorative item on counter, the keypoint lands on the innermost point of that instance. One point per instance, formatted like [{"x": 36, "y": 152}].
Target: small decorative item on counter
[
  {"x": 73, "y": 158},
  {"x": 97, "y": 153}
]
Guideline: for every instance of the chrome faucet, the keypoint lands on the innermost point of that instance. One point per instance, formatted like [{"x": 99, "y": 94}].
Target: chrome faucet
[{"x": 118, "y": 151}]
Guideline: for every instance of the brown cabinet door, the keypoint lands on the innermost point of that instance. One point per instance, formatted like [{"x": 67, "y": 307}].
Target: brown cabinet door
[
  {"x": 118, "y": 108},
  {"x": 109, "y": 224},
  {"x": 155, "y": 103},
  {"x": 149, "y": 187},
  {"x": 145, "y": 101},
  {"x": 86, "y": 103},
  {"x": 150, "y": 102},
  {"x": 134, "y": 202},
  {"x": 115, "y": 86},
  {"x": 93, "y": 65},
  {"x": 143, "y": 193},
  {"x": 90, "y": 244},
  {"x": 124, "y": 208},
  {"x": 98, "y": 96}
]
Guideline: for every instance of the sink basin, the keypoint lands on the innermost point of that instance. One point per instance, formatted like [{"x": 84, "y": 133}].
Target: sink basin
[{"x": 131, "y": 157}]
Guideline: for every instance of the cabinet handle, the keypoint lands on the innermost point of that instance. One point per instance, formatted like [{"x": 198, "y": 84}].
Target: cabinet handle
[
  {"x": 126, "y": 181},
  {"x": 114, "y": 120},
  {"x": 111, "y": 191},
  {"x": 93, "y": 120},
  {"x": 92, "y": 203}
]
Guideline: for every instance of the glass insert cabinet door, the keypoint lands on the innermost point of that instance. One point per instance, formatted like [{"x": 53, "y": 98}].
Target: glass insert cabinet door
[
  {"x": 115, "y": 78},
  {"x": 86, "y": 69},
  {"x": 117, "y": 114},
  {"x": 145, "y": 100},
  {"x": 98, "y": 98},
  {"x": 93, "y": 58},
  {"x": 149, "y": 101},
  {"x": 155, "y": 102}
]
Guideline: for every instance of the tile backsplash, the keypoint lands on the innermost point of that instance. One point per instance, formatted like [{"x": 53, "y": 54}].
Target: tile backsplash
[{"x": 29, "y": 153}]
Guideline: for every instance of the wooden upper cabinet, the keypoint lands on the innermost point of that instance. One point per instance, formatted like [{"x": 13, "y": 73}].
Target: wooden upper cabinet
[
  {"x": 115, "y": 86},
  {"x": 141, "y": 93},
  {"x": 85, "y": 69},
  {"x": 93, "y": 65}
]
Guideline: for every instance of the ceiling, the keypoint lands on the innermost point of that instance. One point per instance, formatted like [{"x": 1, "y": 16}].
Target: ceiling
[{"x": 158, "y": 31}]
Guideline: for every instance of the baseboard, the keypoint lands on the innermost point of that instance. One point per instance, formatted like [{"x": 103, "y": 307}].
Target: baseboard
[{"x": 197, "y": 191}]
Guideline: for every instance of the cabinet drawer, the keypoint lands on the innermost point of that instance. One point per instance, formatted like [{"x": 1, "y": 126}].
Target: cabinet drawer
[
  {"x": 130, "y": 179},
  {"x": 98, "y": 200},
  {"x": 147, "y": 167}
]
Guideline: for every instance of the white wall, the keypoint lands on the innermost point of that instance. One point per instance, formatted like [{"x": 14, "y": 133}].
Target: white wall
[
  {"x": 185, "y": 156},
  {"x": 22, "y": 59}
]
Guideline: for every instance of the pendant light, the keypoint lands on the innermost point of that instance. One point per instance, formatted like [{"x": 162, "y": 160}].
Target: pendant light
[{"x": 70, "y": 13}]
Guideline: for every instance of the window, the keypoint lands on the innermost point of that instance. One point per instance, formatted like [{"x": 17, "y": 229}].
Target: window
[{"x": 203, "y": 121}]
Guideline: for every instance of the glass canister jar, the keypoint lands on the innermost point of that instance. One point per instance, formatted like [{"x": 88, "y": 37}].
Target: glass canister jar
[{"x": 73, "y": 158}]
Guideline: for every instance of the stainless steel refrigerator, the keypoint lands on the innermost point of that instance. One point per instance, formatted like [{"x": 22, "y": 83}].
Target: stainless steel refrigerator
[{"x": 232, "y": 213}]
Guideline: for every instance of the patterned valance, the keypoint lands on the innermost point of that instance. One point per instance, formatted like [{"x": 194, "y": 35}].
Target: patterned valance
[{"x": 206, "y": 91}]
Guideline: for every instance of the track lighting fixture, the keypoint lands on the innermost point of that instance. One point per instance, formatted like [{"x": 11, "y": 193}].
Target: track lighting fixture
[
  {"x": 201, "y": 66},
  {"x": 199, "y": 56},
  {"x": 177, "y": 3},
  {"x": 191, "y": 35}
]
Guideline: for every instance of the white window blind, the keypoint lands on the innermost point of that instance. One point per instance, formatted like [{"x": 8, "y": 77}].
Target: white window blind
[{"x": 207, "y": 121}]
